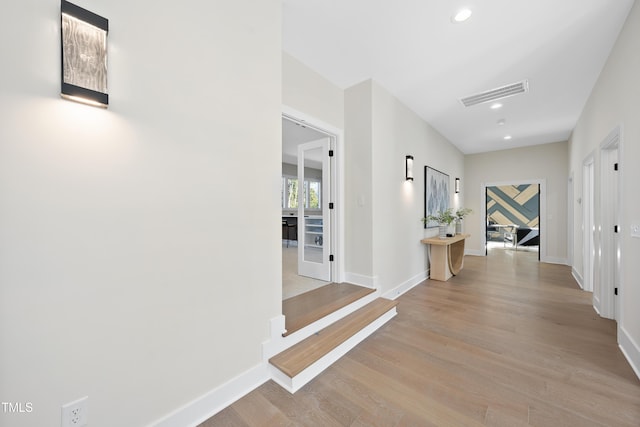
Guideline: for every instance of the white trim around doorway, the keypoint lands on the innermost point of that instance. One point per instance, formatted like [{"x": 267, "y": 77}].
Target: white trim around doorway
[{"x": 337, "y": 230}]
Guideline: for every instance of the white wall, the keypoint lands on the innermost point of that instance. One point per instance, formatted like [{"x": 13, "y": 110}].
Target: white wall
[
  {"x": 123, "y": 238},
  {"x": 399, "y": 259},
  {"x": 307, "y": 91},
  {"x": 542, "y": 163},
  {"x": 358, "y": 184},
  {"x": 307, "y": 95},
  {"x": 382, "y": 212},
  {"x": 383, "y": 209},
  {"x": 614, "y": 102}
]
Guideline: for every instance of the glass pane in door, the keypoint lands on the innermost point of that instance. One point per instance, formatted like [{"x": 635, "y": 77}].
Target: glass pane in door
[
  {"x": 313, "y": 210},
  {"x": 313, "y": 215}
]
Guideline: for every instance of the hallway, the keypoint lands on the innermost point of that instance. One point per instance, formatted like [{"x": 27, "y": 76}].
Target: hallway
[{"x": 508, "y": 342}]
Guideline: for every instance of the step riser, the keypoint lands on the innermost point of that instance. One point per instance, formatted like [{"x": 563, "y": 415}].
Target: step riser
[
  {"x": 278, "y": 343},
  {"x": 294, "y": 384}
]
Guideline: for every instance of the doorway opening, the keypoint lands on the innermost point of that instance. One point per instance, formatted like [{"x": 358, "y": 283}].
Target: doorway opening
[
  {"x": 312, "y": 218},
  {"x": 512, "y": 213},
  {"x": 307, "y": 201}
]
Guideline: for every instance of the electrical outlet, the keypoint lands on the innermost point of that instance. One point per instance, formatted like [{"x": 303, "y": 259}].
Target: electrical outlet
[{"x": 76, "y": 414}]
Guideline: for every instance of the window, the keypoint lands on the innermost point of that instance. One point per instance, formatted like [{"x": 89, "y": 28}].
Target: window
[{"x": 312, "y": 193}]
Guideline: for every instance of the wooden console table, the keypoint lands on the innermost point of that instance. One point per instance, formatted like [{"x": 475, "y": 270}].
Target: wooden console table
[{"x": 445, "y": 256}]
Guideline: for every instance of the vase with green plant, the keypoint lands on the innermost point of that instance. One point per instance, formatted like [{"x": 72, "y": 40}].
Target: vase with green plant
[
  {"x": 444, "y": 220},
  {"x": 460, "y": 214}
]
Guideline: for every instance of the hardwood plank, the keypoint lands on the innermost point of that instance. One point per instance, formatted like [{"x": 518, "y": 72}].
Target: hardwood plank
[
  {"x": 310, "y": 408},
  {"x": 405, "y": 397},
  {"x": 255, "y": 410},
  {"x": 497, "y": 418},
  {"x": 302, "y": 355},
  {"x": 304, "y": 309},
  {"x": 507, "y": 342},
  {"x": 474, "y": 407},
  {"x": 228, "y": 417},
  {"x": 544, "y": 414},
  {"x": 374, "y": 410},
  {"x": 321, "y": 407},
  {"x": 440, "y": 379}
]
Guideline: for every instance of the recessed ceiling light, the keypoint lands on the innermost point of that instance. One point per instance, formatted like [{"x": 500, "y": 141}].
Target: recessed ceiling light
[
  {"x": 462, "y": 15},
  {"x": 508, "y": 137},
  {"x": 496, "y": 106},
  {"x": 501, "y": 122}
]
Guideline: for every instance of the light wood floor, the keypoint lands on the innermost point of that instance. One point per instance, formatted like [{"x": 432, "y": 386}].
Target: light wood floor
[
  {"x": 306, "y": 308},
  {"x": 292, "y": 283},
  {"x": 507, "y": 342},
  {"x": 301, "y": 356}
]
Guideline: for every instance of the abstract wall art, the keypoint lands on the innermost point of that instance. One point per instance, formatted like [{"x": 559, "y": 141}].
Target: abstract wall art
[{"x": 436, "y": 193}]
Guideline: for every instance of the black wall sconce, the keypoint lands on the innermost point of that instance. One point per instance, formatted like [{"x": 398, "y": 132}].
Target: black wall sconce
[
  {"x": 456, "y": 185},
  {"x": 84, "y": 55},
  {"x": 409, "y": 168}
]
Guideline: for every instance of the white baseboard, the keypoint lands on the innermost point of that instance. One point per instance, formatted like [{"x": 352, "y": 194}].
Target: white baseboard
[
  {"x": 361, "y": 280},
  {"x": 630, "y": 349},
  {"x": 407, "y": 285},
  {"x": 578, "y": 277},
  {"x": 596, "y": 305},
  {"x": 209, "y": 404},
  {"x": 474, "y": 252},
  {"x": 554, "y": 260}
]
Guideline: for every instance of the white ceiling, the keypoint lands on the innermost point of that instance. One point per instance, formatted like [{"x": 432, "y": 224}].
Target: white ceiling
[{"x": 412, "y": 49}]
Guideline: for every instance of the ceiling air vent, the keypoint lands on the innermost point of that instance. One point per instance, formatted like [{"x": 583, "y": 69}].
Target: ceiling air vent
[{"x": 495, "y": 94}]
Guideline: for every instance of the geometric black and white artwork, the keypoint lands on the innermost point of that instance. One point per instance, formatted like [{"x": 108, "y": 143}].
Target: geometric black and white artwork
[
  {"x": 436, "y": 193},
  {"x": 84, "y": 55}
]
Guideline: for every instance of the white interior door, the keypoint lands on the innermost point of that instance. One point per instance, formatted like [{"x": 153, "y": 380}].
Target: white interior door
[
  {"x": 589, "y": 229},
  {"x": 617, "y": 250},
  {"x": 314, "y": 236},
  {"x": 609, "y": 251}
]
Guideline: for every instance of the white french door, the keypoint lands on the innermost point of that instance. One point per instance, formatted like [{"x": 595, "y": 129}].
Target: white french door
[{"x": 314, "y": 219}]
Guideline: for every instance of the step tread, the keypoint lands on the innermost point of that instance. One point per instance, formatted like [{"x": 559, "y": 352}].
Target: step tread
[
  {"x": 302, "y": 355},
  {"x": 304, "y": 309}
]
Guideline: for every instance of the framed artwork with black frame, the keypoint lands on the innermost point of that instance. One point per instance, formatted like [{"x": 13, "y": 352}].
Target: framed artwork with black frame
[{"x": 436, "y": 193}]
